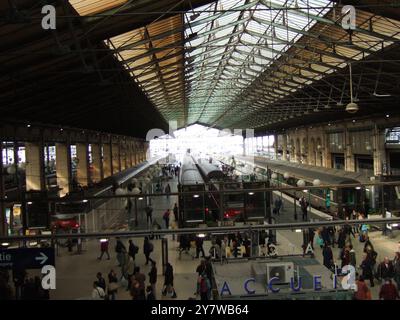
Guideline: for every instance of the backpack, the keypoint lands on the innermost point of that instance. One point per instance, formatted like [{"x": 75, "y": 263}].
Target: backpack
[
  {"x": 135, "y": 249},
  {"x": 151, "y": 247},
  {"x": 204, "y": 284}
]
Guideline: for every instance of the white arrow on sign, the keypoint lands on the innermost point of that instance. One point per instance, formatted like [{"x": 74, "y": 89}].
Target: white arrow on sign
[{"x": 43, "y": 258}]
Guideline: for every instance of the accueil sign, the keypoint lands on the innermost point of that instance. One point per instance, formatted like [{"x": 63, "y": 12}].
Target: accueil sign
[{"x": 347, "y": 282}]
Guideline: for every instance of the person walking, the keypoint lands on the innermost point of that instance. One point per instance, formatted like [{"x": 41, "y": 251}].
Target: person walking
[
  {"x": 132, "y": 250},
  {"x": 203, "y": 287},
  {"x": 104, "y": 249},
  {"x": 148, "y": 248},
  {"x": 153, "y": 277},
  {"x": 278, "y": 205},
  {"x": 352, "y": 254},
  {"x": 199, "y": 247},
  {"x": 136, "y": 292},
  {"x": 304, "y": 207},
  {"x": 149, "y": 215},
  {"x": 112, "y": 285},
  {"x": 168, "y": 190},
  {"x": 367, "y": 268},
  {"x": 166, "y": 217},
  {"x": 141, "y": 278},
  {"x": 385, "y": 269},
  {"x": 173, "y": 223},
  {"x": 175, "y": 210},
  {"x": 169, "y": 281},
  {"x": 328, "y": 256},
  {"x": 388, "y": 291},
  {"x": 120, "y": 249},
  {"x": 363, "y": 292}
]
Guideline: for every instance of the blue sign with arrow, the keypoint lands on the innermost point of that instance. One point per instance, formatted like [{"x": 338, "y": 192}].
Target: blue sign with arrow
[{"x": 26, "y": 258}]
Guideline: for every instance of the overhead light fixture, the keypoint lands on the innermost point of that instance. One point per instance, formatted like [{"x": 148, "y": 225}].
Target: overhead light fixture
[
  {"x": 297, "y": 230},
  {"x": 354, "y": 120},
  {"x": 201, "y": 235},
  {"x": 381, "y": 95},
  {"x": 251, "y": 193},
  {"x": 358, "y": 188},
  {"x": 387, "y": 116},
  {"x": 351, "y": 107},
  {"x": 196, "y": 196},
  {"x": 140, "y": 198},
  {"x": 5, "y": 244},
  {"x": 29, "y": 202},
  {"x": 85, "y": 200},
  {"x": 28, "y": 125},
  {"x": 103, "y": 240}
]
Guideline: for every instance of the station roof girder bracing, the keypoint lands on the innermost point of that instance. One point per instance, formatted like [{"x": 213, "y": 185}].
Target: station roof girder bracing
[{"x": 128, "y": 66}]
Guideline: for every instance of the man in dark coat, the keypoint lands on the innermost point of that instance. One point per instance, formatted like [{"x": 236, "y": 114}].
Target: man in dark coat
[
  {"x": 169, "y": 281},
  {"x": 328, "y": 256},
  {"x": 386, "y": 269}
]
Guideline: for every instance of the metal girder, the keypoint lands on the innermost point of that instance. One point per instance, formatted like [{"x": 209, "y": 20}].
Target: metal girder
[
  {"x": 327, "y": 21},
  {"x": 320, "y": 37}
]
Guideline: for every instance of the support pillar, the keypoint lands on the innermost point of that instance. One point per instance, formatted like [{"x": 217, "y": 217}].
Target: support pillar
[
  {"x": 379, "y": 152},
  {"x": 63, "y": 168},
  {"x": 130, "y": 156},
  {"x": 116, "y": 163},
  {"x": 3, "y": 227},
  {"x": 284, "y": 148},
  {"x": 82, "y": 169},
  {"x": 107, "y": 167},
  {"x": 34, "y": 170},
  {"x": 276, "y": 146},
  {"x": 96, "y": 163},
  {"x": 348, "y": 155},
  {"x": 122, "y": 157},
  {"x": 326, "y": 154}
]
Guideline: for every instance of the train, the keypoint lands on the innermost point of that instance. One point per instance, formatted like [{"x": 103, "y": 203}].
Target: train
[
  {"x": 209, "y": 180},
  {"x": 337, "y": 201}
]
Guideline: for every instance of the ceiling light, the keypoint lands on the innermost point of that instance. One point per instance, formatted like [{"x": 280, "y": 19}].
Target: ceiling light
[
  {"x": 387, "y": 116},
  {"x": 28, "y": 125},
  {"x": 354, "y": 120},
  {"x": 381, "y": 95},
  {"x": 251, "y": 193},
  {"x": 352, "y": 107}
]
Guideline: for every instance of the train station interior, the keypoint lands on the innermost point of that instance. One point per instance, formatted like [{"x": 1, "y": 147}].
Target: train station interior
[{"x": 199, "y": 150}]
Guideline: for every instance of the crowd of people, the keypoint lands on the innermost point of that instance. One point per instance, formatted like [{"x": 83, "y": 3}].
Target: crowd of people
[
  {"x": 26, "y": 287},
  {"x": 134, "y": 282},
  {"x": 386, "y": 272}
]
